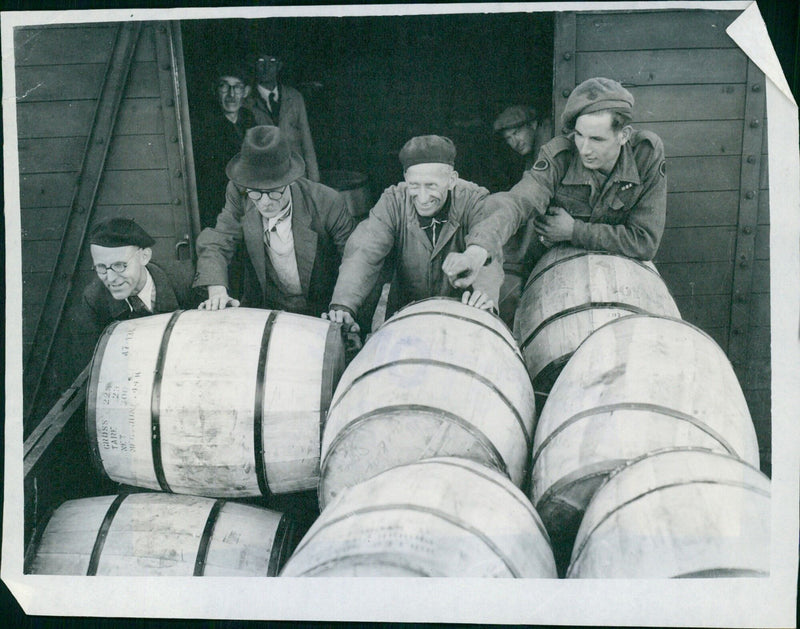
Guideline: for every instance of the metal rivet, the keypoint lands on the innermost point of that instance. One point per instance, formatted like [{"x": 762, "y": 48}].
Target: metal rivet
[
  {"x": 756, "y": 88},
  {"x": 80, "y": 209},
  {"x": 170, "y": 102},
  {"x": 751, "y": 159},
  {"x": 747, "y": 230},
  {"x": 754, "y": 123},
  {"x": 178, "y": 174},
  {"x": 174, "y": 139},
  {"x": 749, "y": 194},
  {"x": 176, "y": 201},
  {"x": 743, "y": 262},
  {"x": 567, "y": 56},
  {"x": 565, "y": 93}
]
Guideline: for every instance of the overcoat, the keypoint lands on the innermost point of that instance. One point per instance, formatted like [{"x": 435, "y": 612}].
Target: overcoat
[{"x": 321, "y": 225}]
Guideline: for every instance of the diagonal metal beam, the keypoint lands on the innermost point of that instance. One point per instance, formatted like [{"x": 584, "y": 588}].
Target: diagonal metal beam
[{"x": 83, "y": 199}]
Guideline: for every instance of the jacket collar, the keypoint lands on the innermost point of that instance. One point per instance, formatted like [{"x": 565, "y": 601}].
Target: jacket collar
[
  {"x": 625, "y": 170},
  {"x": 166, "y": 300}
]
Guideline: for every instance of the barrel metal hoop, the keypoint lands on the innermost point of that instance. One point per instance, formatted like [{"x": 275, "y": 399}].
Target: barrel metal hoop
[
  {"x": 353, "y": 424},
  {"x": 401, "y": 317},
  {"x": 524, "y": 502},
  {"x": 328, "y": 377},
  {"x": 382, "y": 558},
  {"x": 587, "y": 253},
  {"x": 258, "y": 409},
  {"x": 633, "y": 406},
  {"x": 281, "y": 544},
  {"x": 102, "y": 533},
  {"x": 439, "y": 363},
  {"x": 205, "y": 539},
  {"x": 594, "y": 305},
  {"x": 695, "y": 481},
  {"x": 437, "y": 513},
  {"x": 723, "y": 573},
  {"x": 155, "y": 403},
  {"x": 91, "y": 399}
]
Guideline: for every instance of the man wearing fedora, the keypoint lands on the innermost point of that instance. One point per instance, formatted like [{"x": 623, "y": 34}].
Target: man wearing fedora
[
  {"x": 128, "y": 283},
  {"x": 294, "y": 231},
  {"x": 419, "y": 222},
  {"x": 600, "y": 187}
]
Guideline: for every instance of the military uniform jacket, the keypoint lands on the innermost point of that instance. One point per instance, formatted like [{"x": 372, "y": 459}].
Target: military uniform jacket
[
  {"x": 292, "y": 121},
  {"x": 625, "y": 214},
  {"x": 173, "y": 285},
  {"x": 321, "y": 225},
  {"x": 392, "y": 227}
]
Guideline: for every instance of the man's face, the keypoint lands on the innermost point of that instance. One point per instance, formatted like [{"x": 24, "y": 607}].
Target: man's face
[
  {"x": 124, "y": 283},
  {"x": 269, "y": 203},
  {"x": 231, "y": 92},
  {"x": 521, "y": 138},
  {"x": 428, "y": 185},
  {"x": 267, "y": 68},
  {"x": 597, "y": 142}
]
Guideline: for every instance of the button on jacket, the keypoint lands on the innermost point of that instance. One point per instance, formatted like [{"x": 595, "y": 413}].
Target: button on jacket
[
  {"x": 624, "y": 214},
  {"x": 321, "y": 225},
  {"x": 393, "y": 227}
]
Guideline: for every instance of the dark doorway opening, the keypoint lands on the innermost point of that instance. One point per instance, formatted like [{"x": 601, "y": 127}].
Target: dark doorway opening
[{"x": 371, "y": 83}]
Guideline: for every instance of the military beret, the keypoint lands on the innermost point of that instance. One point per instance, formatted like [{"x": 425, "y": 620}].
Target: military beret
[
  {"x": 428, "y": 149},
  {"x": 120, "y": 232},
  {"x": 513, "y": 117},
  {"x": 597, "y": 94}
]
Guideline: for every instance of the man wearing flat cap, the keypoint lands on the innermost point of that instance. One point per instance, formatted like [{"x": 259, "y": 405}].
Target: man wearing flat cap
[
  {"x": 128, "y": 284},
  {"x": 421, "y": 221},
  {"x": 293, "y": 230},
  {"x": 601, "y": 187}
]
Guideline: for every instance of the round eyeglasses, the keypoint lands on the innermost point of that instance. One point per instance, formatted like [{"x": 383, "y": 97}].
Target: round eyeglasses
[
  {"x": 274, "y": 194},
  {"x": 117, "y": 267},
  {"x": 238, "y": 88}
]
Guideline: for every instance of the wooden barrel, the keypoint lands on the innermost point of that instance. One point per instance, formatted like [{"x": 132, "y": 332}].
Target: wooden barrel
[
  {"x": 637, "y": 384},
  {"x": 570, "y": 293},
  {"x": 353, "y": 186},
  {"x": 157, "y": 534},
  {"x": 440, "y": 517},
  {"x": 437, "y": 379},
  {"x": 677, "y": 513},
  {"x": 222, "y": 404}
]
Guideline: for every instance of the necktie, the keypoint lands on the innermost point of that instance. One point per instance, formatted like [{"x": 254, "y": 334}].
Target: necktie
[
  {"x": 274, "y": 106},
  {"x": 137, "y": 305}
]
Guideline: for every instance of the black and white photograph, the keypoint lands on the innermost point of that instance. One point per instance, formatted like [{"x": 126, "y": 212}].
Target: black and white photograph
[{"x": 487, "y": 313}]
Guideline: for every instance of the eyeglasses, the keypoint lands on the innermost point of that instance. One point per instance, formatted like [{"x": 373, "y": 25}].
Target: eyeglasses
[
  {"x": 274, "y": 194},
  {"x": 238, "y": 88},
  {"x": 117, "y": 267}
]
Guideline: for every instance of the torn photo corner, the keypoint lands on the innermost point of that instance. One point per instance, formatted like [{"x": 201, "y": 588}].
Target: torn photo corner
[{"x": 103, "y": 119}]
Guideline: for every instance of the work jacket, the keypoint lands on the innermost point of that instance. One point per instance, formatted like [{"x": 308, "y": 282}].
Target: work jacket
[{"x": 392, "y": 233}]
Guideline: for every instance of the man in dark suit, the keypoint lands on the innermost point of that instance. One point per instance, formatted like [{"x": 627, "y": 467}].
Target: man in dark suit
[
  {"x": 128, "y": 284},
  {"x": 219, "y": 136},
  {"x": 294, "y": 231},
  {"x": 274, "y": 103}
]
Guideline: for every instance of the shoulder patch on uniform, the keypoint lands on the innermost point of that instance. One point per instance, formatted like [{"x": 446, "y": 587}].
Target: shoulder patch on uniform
[
  {"x": 662, "y": 168},
  {"x": 541, "y": 164}
]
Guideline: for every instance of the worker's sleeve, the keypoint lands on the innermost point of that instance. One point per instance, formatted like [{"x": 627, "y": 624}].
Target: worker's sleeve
[{"x": 217, "y": 245}]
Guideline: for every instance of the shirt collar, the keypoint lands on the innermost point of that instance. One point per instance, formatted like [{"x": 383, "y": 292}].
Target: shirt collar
[
  {"x": 265, "y": 92},
  {"x": 146, "y": 294},
  {"x": 286, "y": 213},
  {"x": 624, "y": 170}
]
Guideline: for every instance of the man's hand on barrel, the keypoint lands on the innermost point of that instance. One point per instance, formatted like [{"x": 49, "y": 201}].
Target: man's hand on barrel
[
  {"x": 350, "y": 329},
  {"x": 461, "y": 268},
  {"x": 554, "y": 226},
  {"x": 478, "y": 299},
  {"x": 218, "y": 299}
]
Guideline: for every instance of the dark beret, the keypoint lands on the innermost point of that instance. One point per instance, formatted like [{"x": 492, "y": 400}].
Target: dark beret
[
  {"x": 428, "y": 149},
  {"x": 120, "y": 232},
  {"x": 513, "y": 117},
  {"x": 597, "y": 94}
]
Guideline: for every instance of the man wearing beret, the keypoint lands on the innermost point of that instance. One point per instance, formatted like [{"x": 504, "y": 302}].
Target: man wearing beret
[
  {"x": 128, "y": 284},
  {"x": 601, "y": 187},
  {"x": 293, "y": 230},
  {"x": 519, "y": 126},
  {"x": 422, "y": 220}
]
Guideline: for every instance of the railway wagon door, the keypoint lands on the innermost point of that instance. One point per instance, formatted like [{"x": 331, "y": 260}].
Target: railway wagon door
[
  {"x": 706, "y": 100},
  {"x": 101, "y": 128}
]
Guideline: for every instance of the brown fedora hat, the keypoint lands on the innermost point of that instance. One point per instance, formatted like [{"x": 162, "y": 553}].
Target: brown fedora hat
[{"x": 265, "y": 161}]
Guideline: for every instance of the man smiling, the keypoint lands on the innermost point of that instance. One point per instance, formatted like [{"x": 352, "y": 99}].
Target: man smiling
[
  {"x": 128, "y": 284},
  {"x": 419, "y": 221},
  {"x": 601, "y": 187}
]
